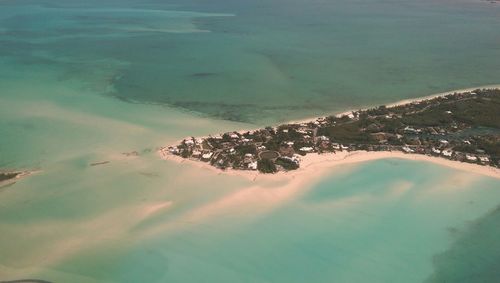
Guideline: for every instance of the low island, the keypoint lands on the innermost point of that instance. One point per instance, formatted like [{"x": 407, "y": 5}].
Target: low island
[
  {"x": 461, "y": 126},
  {"x": 10, "y": 177}
]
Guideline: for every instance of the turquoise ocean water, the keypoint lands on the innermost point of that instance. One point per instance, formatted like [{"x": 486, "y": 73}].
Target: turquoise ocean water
[{"x": 82, "y": 83}]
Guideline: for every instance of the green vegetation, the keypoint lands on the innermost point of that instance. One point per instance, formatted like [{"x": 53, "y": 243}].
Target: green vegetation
[
  {"x": 461, "y": 126},
  {"x": 287, "y": 164},
  {"x": 266, "y": 166},
  {"x": 244, "y": 149},
  {"x": 8, "y": 176}
]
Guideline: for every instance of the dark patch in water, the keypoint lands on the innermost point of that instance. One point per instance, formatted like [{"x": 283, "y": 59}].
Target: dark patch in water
[
  {"x": 203, "y": 75},
  {"x": 99, "y": 163},
  {"x": 474, "y": 257},
  {"x": 238, "y": 112},
  {"x": 132, "y": 153},
  {"x": 8, "y": 176},
  {"x": 149, "y": 174},
  {"x": 452, "y": 230}
]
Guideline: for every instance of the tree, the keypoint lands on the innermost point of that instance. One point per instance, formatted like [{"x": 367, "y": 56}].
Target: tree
[{"x": 266, "y": 166}]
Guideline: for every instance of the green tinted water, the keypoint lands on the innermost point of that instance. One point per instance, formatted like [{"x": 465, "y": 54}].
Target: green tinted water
[
  {"x": 259, "y": 62},
  {"x": 139, "y": 219}
]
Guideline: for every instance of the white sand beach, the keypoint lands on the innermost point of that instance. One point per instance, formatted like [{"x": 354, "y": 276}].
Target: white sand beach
[
  {"x": 314, "y": 164},
  {"x": 401, "y": 102}
]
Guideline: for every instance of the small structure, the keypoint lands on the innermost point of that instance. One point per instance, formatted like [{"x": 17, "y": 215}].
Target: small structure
[
  {"x": 207, "y": 156},
  {"x": 196, "y": 153},
  {"x": 407, "y": 149},
  {"x": 484, "y": 159},
  {"x": 323, "y": 138},
  {"x": 252, "y": 165},
  {"x": 248, "y": 158},
  {"x": 470, "y": 157},
  {"x": 447, "y": 152},
  {"x": 436, "y": 151},
  {"x": 306, "y": 149},
  {"x": 409, "y": 129}
]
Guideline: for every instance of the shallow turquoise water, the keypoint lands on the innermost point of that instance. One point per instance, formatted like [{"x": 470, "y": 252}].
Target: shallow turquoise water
[
  {"x": 387, "y": 227},
  {"x": 259, "y": 61},
  {"x": 140, "y": 219}
]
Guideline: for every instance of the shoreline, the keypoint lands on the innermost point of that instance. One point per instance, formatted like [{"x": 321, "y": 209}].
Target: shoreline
[
  {"x": 398, "y": 103},
  {"x": 18, "y": 175},
  {"x": 393, "y": 104},
  {"x": 315, "y": 163},
  {"x": 329, "y": 160}
]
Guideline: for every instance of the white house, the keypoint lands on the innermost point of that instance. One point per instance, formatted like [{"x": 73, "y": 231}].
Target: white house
[
  {"x": 435, "y": 150},
  {"x": 484, "y": 159},
  {"x": 252, "y": 165},
  {"x": 207, "y": 156},
  {"x": 306, "y": 149},
  {"x": 407, "y": 149},
  {"x": 470, "y": 157},
  {"x": 447, "y": 152}
]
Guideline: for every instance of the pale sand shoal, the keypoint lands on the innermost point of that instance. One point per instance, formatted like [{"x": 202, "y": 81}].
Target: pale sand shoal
[{"x": 314, "y": 164}]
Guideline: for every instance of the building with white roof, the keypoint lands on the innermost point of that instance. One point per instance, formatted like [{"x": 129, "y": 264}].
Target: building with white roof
[
  {"x": 407, "y": 149},
  {"x": 252, "y": 165},
  {"x": 447, "y": 152},
  {"x": 470, "y": 157},
  {"x": 306, "y": 149},
  {"x": 484, "y": 159},
  {"x": 207, "y": 155},
  {"x": 435, "y": 150}
]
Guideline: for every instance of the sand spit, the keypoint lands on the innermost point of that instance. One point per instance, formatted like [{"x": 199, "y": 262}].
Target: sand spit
[
  {"x": 14, "y": 176},
  {"x": 315, "y": 164}
]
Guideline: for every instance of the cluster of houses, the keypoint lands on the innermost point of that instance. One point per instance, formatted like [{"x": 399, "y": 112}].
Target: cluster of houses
[{"x": 285, "y": 144}]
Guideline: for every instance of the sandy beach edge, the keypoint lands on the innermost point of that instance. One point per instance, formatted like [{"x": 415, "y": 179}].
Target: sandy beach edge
[
  {"x": 312, "y": 119},
  {"x": 313, "y": 164},
  {"x": 400, "y": 102},
  {"x": 319, "y": 162},
  {"x": 20, "y": 175}
]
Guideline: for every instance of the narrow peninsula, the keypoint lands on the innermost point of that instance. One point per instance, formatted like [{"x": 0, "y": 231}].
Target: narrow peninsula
[{"x": 461, "y": 126}]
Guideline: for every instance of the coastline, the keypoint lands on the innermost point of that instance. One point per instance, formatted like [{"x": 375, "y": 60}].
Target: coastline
[
  {"x": 394, "y": 104},
  {"x": 319, "y": 162},
  {"x": 313, "y": 164},
  {"x": 398, "y": 103},
  {"x": 18, "y": 175}
]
